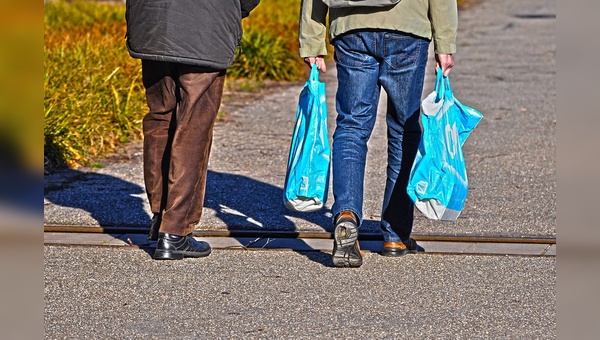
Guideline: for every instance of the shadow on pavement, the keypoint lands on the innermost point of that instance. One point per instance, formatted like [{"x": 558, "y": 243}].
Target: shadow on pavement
[
  {"x": 243, "y": 203},
  {"x": 110, "y": 201},
  {"x": 239, "y": 202}
]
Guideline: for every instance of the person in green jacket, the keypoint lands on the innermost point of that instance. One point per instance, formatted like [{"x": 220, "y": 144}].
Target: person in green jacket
[{"x": 377, "y": 47}]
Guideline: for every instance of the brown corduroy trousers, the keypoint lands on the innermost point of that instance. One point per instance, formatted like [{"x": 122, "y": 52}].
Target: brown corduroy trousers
[{"x": 183, "y": 101}]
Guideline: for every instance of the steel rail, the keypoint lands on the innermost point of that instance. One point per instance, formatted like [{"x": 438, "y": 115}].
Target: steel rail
[{"x": 528, "y": 239}]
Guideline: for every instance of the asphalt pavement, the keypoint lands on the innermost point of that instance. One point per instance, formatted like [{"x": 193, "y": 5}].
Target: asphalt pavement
[{"x": 490, "y": 274}]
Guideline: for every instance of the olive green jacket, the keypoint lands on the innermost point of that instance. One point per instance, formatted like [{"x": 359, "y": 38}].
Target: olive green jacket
[{"x": 436, "y": 20}]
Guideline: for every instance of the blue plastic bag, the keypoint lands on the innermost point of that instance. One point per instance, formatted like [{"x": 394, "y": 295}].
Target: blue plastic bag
[
  {"x": 307, "y": 175},
  {"x": 438, "y": 181}
]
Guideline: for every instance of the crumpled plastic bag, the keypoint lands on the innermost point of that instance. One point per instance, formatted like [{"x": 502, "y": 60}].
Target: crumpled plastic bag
[
  {"x": 307, "y": 174},
  {"x": 438, "y": 182}
]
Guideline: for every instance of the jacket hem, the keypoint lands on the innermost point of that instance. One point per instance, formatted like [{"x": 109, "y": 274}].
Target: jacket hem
[{"x": 180, "y": 60}]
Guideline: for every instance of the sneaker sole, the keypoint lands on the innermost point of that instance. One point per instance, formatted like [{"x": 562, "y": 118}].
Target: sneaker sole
[{"x": 345, "y": 237}]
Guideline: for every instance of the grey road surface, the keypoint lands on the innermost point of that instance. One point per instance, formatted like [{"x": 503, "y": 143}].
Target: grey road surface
[{"x": 119, "y": 293}]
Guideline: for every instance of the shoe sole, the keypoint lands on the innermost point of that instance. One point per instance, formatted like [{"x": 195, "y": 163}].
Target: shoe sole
[
  {"x": 177, "y": 255},
  {"x": 396, "y": 252},
  {"x": 345, "y": 237}
]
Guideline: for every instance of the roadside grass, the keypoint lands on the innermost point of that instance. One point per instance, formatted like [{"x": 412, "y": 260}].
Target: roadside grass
[{"x": 93, "y": 96}]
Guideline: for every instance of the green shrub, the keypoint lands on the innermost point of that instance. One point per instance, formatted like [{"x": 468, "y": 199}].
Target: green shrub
[
  {"x": 263, "y": 56},
  {"x": 278, "y": 17},
  {"x": 269, "y": 47}
]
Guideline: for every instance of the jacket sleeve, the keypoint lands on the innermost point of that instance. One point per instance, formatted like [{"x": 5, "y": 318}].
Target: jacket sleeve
[
  {"x": 444, "y": 24},
  {"x": 313, "y": 28},
  {"x": 248, "y": 6}
]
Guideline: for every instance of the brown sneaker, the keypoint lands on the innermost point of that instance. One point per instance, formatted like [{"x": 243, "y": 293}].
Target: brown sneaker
[
  {"x": 346, "y": 251},
  {"x": 400, "y": 248}
]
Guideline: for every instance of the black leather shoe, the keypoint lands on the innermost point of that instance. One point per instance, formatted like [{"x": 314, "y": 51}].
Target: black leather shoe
[
  {"x": 154, "y": 227},
  {"x": 346, "y": 250},
  {"x": 174, "y": 247}
]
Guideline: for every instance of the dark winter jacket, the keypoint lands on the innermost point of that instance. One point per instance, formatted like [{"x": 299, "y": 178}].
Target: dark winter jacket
[{"x": 196, "y": 32}]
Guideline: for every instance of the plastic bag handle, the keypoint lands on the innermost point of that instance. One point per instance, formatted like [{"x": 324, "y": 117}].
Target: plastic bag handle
[
  {"x": 442, "y": 84},
  {"x": 314, "y": 73}
]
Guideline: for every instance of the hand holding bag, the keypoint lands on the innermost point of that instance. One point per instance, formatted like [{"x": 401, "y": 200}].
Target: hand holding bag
[
  {"x": 307, "y": 175},
  {"x": 438, "y": 181}
]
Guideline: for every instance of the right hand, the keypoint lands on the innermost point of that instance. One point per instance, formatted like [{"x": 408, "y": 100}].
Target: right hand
[
  {"x": 445, "y": 61},
  {"x": 319, "y": 60}
]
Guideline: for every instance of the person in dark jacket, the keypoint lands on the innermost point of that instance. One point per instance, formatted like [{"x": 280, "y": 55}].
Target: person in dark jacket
[{"x": 185, "y": 47}]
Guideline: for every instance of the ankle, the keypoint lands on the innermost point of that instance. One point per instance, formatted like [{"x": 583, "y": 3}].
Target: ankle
[{"x": 346, "y": 215}]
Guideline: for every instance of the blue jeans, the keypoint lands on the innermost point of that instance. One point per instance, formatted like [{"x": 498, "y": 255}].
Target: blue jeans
[{"x": 367, "y": 61}]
